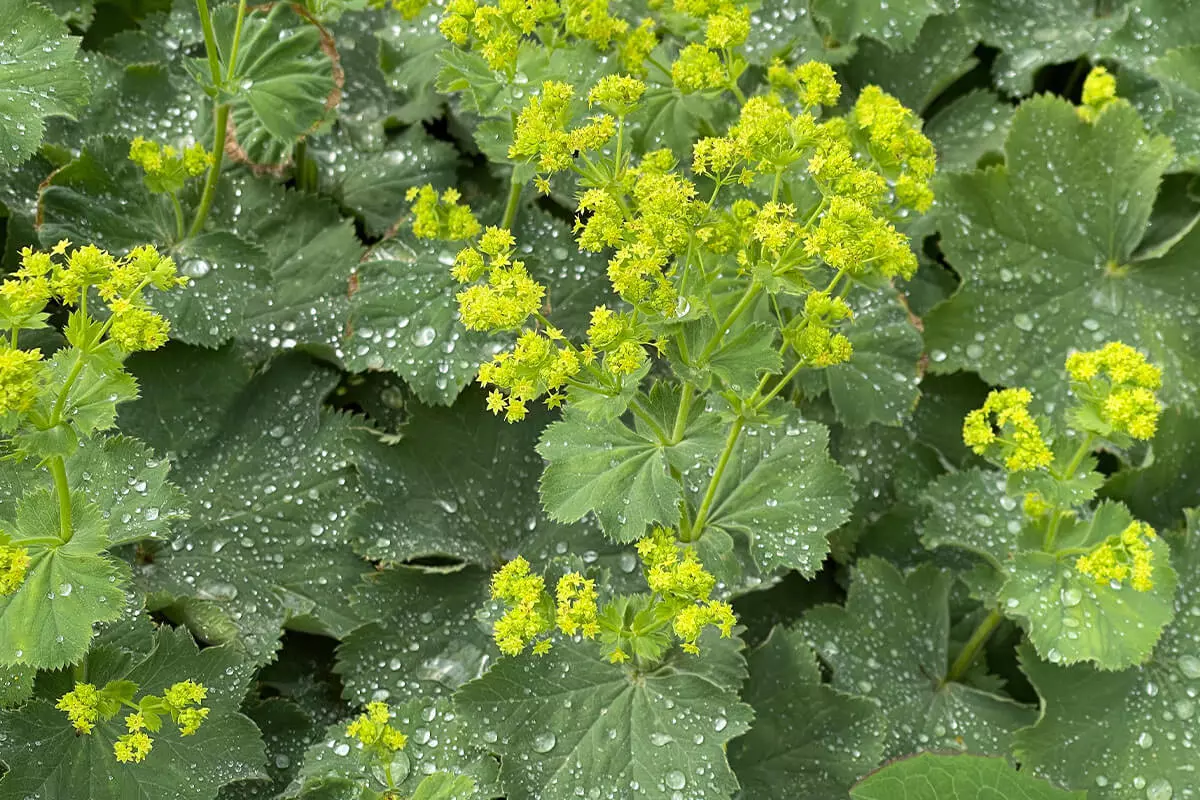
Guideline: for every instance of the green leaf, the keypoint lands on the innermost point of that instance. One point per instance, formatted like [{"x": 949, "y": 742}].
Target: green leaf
[
  {"x": 890, "y": 643},
  {"x": 809, "y": 741},
  {"x": 271, "y": 494},
  {"x": 410, "y": 56},
  {"x": 971, "y": 511},
  {"x": 896, "y": 24},
  {"x": 570, "y": 721},
  {"x": 783, "y": 28},
  {"x": 931, "y": 776},
  {"x": 100, "y": 198},
  {"x": 1120, "y": 733},
  {"x": 69, "y": 587},
  {"x": 781, "y": 491},
  {"x": 283, "y": 81},
  {"x": 287, "y": 731},
  {"x": 1071, "y": 618},
  {"x": 373, "y": 185},
  {"x": 404, "y": 317},
  {"x": 918, "y": 73},
  {"x": 443, "y": 786},
  {"x": 39, "y": 77},
  {"x": 1166, "y": 483},
  {"x": 403, "y": 653},
  {"x": 880, "y": 382},
  {"x": 971, "y": 127},
  {"x": 440, "y": 739},
  {"x": 1044, "y": 245},
  {"x": 608, "y": 469},
  {"x": 48, "y": 759}
]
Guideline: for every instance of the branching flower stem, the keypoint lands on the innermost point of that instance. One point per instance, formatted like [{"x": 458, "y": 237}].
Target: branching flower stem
[{"x": 979, "y": 637}]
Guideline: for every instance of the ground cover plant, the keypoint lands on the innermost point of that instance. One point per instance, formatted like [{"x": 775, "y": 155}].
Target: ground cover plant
[{"x": 539, "y": 399}]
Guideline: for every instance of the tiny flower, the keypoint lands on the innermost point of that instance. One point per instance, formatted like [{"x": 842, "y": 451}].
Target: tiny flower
[
  {"x": 1020, "y": 439},
  {"x": 132, "y": 747},
  {"x": 82, "y": 706},
  {"x": 14, "y": 562}
]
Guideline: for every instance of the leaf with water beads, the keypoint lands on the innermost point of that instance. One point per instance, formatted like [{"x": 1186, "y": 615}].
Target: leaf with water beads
[
  {"x": 38, "y": 77},
  {"x": 1070, "y": 617},
  {"x": 1044, "y": 244},
  {"x": 440, "y": 739},
  {"x": 880, "y": 382},
  {"x": 100, "y": 198},
  {"x": 971, "y": 511},
  {"x": 423, "y": 637},
  {"x": 571, "y": 722},
  {"x": 890, "y": 643},
  {"x": 968, "y": 129},
  {"x": 809, "y": 741},
  {"x": 1159, "y": 489},
  {"x": 895, "y": 23},
  {"x": 1131, "y": 733},
  {"x": 940, "y": 776},
  {"x": 48, "y": 759},
  {"x": 271, "y": 495},
  {"x": 782, "y": 492}
]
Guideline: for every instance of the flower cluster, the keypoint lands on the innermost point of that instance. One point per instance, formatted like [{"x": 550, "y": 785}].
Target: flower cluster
[
  {"x": 813, "y": 82},
  {"x": 525, "y": 619},
  {"x": 814, "y": 336},
  {"x": 1099, "y": 92},
  {"x": 1116, "y": 387},
  {"x": 14, "y": 562},
  {"x": 896, "y": 142},
  {"x": 166, "y": 169},
  {"x": 1124, "y": 557},
  {"x": 684, "y": 586},
  {"x": 541, "y": 133},
  {"x": 86, "y": 706},
  {"x": 67, "y": 275},
  {"x": 497, "y": 31},
  {"x": 372, "y": 730},
  {"x": 575, "y": 609},
  {"x": 507, "y": 297},
  {"x": 1004, "y": 429},
  {"x": 851, "y": 238},
  {"x": 441, "y": 216}
]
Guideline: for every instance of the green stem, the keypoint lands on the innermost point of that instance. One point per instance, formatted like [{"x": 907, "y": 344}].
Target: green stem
[
  {"x": 681, "y": 416},
  {"x": 971, "y": 649},
  {"x": 178, "y": 217},
  {"x": 237, "y": 40},
  {"x": 641, "y": 413},
  {"x": 58, "y": 469},
  {"x": 735, "y": 431},
  {"x": 300, "y": 169},
  {"x": 1056, "y": 516},
  {"x": 779, "y": 387},
  {"x": 748, "y": 297},
  {"x": 514, "y": 200},
  {"x": 214, "y": 172},
  {"x": 210, "y": 42},
  {"x": 776, "y": 185}
]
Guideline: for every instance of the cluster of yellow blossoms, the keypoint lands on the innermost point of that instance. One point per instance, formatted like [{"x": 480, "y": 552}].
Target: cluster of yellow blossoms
[
  {"x": 1099, "y": 92},
  {"x": 507, "y": 297},
  {"x": 86, "y": 706},
  {"x": 497, "y": 31},
  {"x": 67, "y": 277},
  {"x": 1117, "y": 386},
  {"x": 684, "y": 586},
  {"x": 372, "y": 729},
  {"x": 166, "y": 169},
  {"x": 526, "y": 617},
  {"x": 1124, "y": 557},
  {"x": 814, "y": 337},
  {"x": 1019, "y": 441},
  {"x": 14, "y": 563},
  {"x": 441, "y": 216},
  {"x": 713, "y": 64}
]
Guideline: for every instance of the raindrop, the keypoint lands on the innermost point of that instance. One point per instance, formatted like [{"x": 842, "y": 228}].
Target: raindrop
[
  {"x": 544, "y": 742},
  {"x": 676, "y": 780}
]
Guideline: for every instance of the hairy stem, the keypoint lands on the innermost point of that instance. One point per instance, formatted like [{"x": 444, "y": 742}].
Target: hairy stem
[
  {"x": 735, "y": 431},
  {"x": 178, "y": 217},
  {"x": 210, "y": 42},
  {"x": 514, "y": 200},
  {"x": 58, "y": 469},
  {"x": 1085, "y": 447},
  {"x": 220, "y": 122},
  {"x": 979, "y": 638}
]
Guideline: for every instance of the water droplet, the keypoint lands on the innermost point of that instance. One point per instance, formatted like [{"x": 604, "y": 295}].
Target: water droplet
[
  {"x": 1159, "y": 790},
  {"x": 659, "y": 739},
  {"x": 676, "y": 780},
  {"x": 544, "y": 742},
  {"x": 423, "y": 337},
  {"x": 1070, "y": 597},
  {"x": 1190, "y": 666}
]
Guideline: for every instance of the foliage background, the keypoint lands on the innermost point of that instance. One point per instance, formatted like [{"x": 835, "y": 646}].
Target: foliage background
[{"x": 348, "y": 495}]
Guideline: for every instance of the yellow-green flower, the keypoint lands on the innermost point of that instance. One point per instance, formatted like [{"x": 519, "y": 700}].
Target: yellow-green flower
[
  {"x": 20, "y": 371},
  {"x": 1118, "y": 385},
  {"x": 576, "y": 606},
  {"x": 1122, "y": 557},
  {"x": 82, "y": 706},
  {"x": 1018, "y": 438},
  {"x": 14, "y": 563}
]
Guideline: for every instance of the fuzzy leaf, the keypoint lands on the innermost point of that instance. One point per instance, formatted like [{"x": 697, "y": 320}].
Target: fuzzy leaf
[
  {"x": 610, "y": 470},
  {"x": 971, "y": 511},
  {"x": 1117, "y": 733},
  {"x": 896, "y": 24},
  {"x": 404, "y": 654},
  {"x": 809, "y": 741},
  {"x": 1044, "y": 245},
  {"x": 1159, "y": 490},
  {"x": 272, "y": 485},
  {"x": 931, "y": 776},
  {"x": 570, "y": 721},
  {"x": 39, "y": 77},
  {"x": 968, "y": 129},
  {"x": 918, "y": 73},
  {"x": 890, "y": 643},
  {"x": 53, "y": 762},
  {"x": 783, "y": 492},
  {"x": 284, "y": 81},
  {"x": 1071, "y": 618},
  {"x": 779, "y": 28}
]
